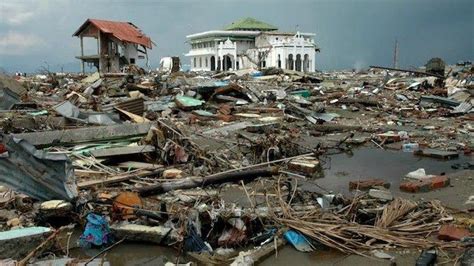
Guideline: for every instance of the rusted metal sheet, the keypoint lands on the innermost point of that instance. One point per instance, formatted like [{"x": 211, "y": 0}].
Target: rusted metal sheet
[
  {"x": 38, "y": 174},
  {"x": 135, "y": 106}
]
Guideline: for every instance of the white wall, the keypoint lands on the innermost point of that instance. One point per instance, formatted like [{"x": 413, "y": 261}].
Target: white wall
[
  {"x": 130, "y": 51},
  {"x": 202, "y": 66},
  {"x": 282, "y": 45},
  {"x": 286, "y": 45}
]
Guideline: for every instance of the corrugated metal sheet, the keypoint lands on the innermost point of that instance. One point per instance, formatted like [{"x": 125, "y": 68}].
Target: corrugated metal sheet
[
  {"x": 72, "y": 112},
  {"x": 462, "y": 108},
  {"x": 135, "y": 106},
  {"x": 36, "y": 173},
  {"x": 124, "y": 31}
]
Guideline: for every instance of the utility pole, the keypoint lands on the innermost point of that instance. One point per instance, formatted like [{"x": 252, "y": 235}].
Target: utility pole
[{"x": 395, "y": 55}]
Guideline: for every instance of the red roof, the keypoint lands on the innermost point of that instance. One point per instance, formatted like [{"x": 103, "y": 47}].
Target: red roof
[{"x": 124, "y": 31}]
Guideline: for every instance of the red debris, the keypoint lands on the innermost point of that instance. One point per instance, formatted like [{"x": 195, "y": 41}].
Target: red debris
[
  {"x": 452, "y": 233},
  {"x": 3, "y": 148},
  {"x": 425, "y": 185},
  {"x": 416, "y": 186},
  {"x": 439, "y": 182}
]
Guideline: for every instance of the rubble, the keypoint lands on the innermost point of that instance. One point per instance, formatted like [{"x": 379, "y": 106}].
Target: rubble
[{"x": 228, "y": 167}]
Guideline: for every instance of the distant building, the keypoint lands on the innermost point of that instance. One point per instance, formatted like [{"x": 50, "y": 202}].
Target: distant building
[
  {"x": 118, "y": 44},
  {"x": 250, "y": 43}
]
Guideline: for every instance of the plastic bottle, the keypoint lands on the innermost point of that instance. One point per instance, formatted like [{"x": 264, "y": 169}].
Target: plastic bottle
[{"x": 410, "y": 147}]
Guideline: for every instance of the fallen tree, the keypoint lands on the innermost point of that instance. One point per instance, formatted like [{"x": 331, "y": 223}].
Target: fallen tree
[{"x": 219, "y": 178}]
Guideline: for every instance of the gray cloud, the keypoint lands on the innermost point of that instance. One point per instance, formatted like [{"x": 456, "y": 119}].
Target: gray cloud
[
  {"x": 19, "y": 44},
  {"x": 15, "y": 13},
  {"x": 350, "y": 33}
]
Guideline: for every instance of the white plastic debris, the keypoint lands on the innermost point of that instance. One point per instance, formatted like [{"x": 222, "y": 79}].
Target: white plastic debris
[
  {"x": 382, "y": 255},
  {"x": 419, "y": 174}
]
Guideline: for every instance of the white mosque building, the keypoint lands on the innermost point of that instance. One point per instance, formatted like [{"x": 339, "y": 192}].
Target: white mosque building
[{"x": 249, "y": 43}]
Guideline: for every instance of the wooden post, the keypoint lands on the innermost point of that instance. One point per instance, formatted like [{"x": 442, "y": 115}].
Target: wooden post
[
  {"x": 99, "y": 50},
  {"x": 82, "y": 55},
  {"x": 98, "y": 43}
]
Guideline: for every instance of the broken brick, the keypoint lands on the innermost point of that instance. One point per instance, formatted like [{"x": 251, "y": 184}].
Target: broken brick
[
  {"x": 416, "y": 186},
  {"x": 368, "y": 184},
  {"x": 226, "y": 118},
  {"x": 452, "y": 233},
  {"x": 439, "y": 182},
  {"x": 225, "y": 109},
  {"x": 389, "y": 137},
  {"x": 425, "y": 185},
  {"x": 307, "y": 165}
]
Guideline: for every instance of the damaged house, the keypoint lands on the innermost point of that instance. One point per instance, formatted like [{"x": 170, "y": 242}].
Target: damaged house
[
  {"x": 249, "y": 43},
  {"x": 118, "y": 44}
]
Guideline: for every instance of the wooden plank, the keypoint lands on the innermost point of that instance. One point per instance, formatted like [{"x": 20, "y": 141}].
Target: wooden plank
[
  {"x": 139, "y": 165},
  {"x": 116, "y": 179},
  {"x": 83, "y": 135},
  {"x": 134, "y": 117},
  {"x": 118, "y": 151}
]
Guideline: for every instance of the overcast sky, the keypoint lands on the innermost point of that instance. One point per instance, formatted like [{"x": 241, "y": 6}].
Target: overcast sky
[{"x": 349, "y": 33}]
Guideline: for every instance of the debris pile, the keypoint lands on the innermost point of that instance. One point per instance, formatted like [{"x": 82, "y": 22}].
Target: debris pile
[{"x": 224, "y": 167}]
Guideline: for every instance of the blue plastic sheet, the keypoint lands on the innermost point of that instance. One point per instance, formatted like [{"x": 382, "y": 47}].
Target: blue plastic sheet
[
  {"x": 298, "y": 241},
  {"x": 256, "y": 74},
  {"x": 97, "y": 232}
]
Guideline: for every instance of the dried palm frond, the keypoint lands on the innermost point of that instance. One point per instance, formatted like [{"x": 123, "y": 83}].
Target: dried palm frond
[{"x": 393, "y": 211}]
